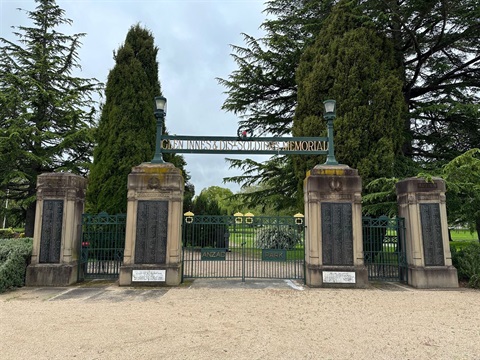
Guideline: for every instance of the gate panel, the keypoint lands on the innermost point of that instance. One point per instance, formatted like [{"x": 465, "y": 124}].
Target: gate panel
[
  {"x": 243, "y": 247},
  {"x": 103, "y": 244},
  {"x": 384, "y": 249}
]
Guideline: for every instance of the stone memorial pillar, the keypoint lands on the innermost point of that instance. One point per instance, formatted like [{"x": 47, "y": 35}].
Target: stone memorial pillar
[
  {"x": 153, "y": 245},
  {"x": 58, "y": 221},
  {"x": 333, "y": 219},
  {"x": 422, "y": 204}
]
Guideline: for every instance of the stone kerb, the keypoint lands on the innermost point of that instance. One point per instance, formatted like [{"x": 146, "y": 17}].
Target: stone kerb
[
  {"x": 423, "y": 205},
  {"x": 333, "y": 219},
  {"x": 153, "y": 231},
  {"x": 56, "y": 240}
]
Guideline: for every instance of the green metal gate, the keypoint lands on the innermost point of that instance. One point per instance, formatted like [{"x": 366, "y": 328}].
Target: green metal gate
[
  {"x": 102, "y": 247},
  {"x": 243, "y": 246},
  {"x": 384, "y": 249}
]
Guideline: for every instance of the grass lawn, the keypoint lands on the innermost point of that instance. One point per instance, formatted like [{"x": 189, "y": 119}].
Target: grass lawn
[{"x": 461, "y": 238}]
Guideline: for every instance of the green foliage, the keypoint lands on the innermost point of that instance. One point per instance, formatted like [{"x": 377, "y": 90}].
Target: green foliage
[
  {"x": 467, "y": 262},
  {"x": 276, "y": 238},
  {"x": 462, "y": 176},
  {"x": 223, "y": 197},
  {"x": 437, "y": 42},
  {"x": 268, "y": 187},
  {"x": 127, "y": 128},
  {"x": 434, "y": 47},
  {"x": 7, "y": 233},
  {"x": 47, "y": 114},
  {"x": 355, "y": 65},
  {"x": 263, "y": 91},
  {"x": 14, "y": 258},
  {"x": 207, "y": 203}
]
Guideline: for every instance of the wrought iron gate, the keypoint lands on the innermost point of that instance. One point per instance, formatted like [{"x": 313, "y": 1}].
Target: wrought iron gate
[
  {"x": 384, "y": 249},
  {"x": 103, "y": 243},
  {"x": 243, "y": 246}
]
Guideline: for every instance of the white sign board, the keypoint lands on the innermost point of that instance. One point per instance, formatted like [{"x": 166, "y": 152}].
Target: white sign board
[
  {"x": 148, "y": 275},
  {"x": 339, "y": 277}
]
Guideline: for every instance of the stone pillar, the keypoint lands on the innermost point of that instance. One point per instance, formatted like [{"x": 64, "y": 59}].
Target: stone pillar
[
  {"x": 422, "y": 204},
  {"x": 333, "y": 219},
  {"x": 58, "y": 221},
  {"x": 153, "y": 246}
]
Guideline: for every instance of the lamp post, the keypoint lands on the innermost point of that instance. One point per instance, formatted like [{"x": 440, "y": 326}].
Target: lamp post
[
  {"x": 160, "y": 112},
  {"x": 330, "y": 116}
]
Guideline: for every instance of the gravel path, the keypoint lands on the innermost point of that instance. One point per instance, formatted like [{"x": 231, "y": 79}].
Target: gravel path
[{"x": 239, "y": 322}]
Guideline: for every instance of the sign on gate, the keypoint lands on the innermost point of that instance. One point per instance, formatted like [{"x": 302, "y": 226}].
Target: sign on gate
[{"x": 214, "y": 254}]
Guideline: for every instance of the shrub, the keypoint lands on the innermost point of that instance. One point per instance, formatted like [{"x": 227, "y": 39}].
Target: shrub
[
  {"x": 7, "y": 233},
  {"x": 276, "y": 238},
  {"x": 467, "y": 262},
  {"x": 14, "y": 257}
]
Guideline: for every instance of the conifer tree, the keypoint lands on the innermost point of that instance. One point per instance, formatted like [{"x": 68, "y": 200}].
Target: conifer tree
[
  {"x": 355, "y": 65},
  {"x": 127, "y": 128},
  {"x": 435, "y": 45},
  {"x": 46, "y": 112}
]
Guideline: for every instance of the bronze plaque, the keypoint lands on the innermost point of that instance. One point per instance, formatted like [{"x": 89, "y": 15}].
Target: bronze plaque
[
  {"x": 152, "y": 225},
  {"x": 337, "y": 234},
  {"x": 51, "y": 235},
  {"x": 432, "y": 235}
]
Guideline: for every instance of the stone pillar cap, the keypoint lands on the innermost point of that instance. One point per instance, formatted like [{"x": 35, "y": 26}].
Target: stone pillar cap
[{"x": 338, "y": 170}]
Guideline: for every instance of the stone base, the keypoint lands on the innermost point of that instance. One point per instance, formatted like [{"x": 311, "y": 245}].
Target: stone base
[
  {"x": 173, "y": 275},
  {"x": 51, "y": 274},
  {"x": 433, "y": 277},
  {"x": 315, "y": 276}
]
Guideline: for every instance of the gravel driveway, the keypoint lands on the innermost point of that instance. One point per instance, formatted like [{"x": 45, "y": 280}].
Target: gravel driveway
[{"x": 233, "y": 320}]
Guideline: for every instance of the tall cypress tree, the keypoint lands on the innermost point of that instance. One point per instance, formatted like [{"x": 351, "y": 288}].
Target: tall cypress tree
[
  {"x": 435, "y": 44},
  {"x": 355, "y": 65},
  {"x": 46, "y": 124},
  {"x": 126, "y": 132}
]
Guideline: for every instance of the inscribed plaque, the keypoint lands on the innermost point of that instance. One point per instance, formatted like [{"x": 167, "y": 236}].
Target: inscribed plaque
[
  {"x": 51, "y": 235},
  {"x": 339, "y": 277},
  {"x": 337, "y": 234},
  {"x": 152, "y": 226},
  {"x": 432, "y": 234},
  {"x": 148, "y": 275}
]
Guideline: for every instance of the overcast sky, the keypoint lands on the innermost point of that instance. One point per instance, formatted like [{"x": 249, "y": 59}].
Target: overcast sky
[{"x": 194, "y": 38}]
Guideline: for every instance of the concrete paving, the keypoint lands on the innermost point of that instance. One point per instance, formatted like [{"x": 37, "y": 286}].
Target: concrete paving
[{"x": 107, "y": 290}]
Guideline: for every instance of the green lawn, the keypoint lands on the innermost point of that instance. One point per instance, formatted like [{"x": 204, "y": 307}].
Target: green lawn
[{"x": 461, "y": 238}]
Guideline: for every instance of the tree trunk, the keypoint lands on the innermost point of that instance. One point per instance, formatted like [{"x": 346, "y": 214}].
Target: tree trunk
[
  {"x": 30, "y": 219},
  {"x": 477, "y": 225}
]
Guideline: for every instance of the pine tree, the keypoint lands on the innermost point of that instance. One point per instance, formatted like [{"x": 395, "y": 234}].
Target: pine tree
[
  {"x": 127, "y": 128},
  {"x": 435, "y": 45},
  {"x": 46, "y": 112},
  {"x": 355, "y": 65}
]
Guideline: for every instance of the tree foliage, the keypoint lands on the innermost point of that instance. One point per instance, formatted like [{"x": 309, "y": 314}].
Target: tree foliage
[
  {"x": 435, "y": 44},
  {"x": 354, "y": 64},
  {"x": 462, "y": 176},
  {"x": 46, "y": 112},
  {"x": 127, "y": 128}
]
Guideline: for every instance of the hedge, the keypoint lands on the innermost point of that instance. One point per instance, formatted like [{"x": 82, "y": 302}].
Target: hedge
[
  {"x": 467, "y": 262},
  {"x": 14, "y": 258}
]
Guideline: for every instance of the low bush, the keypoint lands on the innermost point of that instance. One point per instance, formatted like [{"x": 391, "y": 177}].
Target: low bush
[
  {"x": 7, "y": 233},
  {"x": 467, "y": 262},
  {"x": 276, "y": 238},
  {"x": 14, "y": 257}
]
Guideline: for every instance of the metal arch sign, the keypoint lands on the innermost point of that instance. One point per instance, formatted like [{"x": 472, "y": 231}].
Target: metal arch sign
[{"x": 244, "y": 145}]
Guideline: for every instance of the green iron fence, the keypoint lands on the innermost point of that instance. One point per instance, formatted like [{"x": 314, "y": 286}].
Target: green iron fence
[
  {"x": 243, "y": 246},
  {"x": 384, "y": 248},
  {"x": 102, "y": 247}
]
